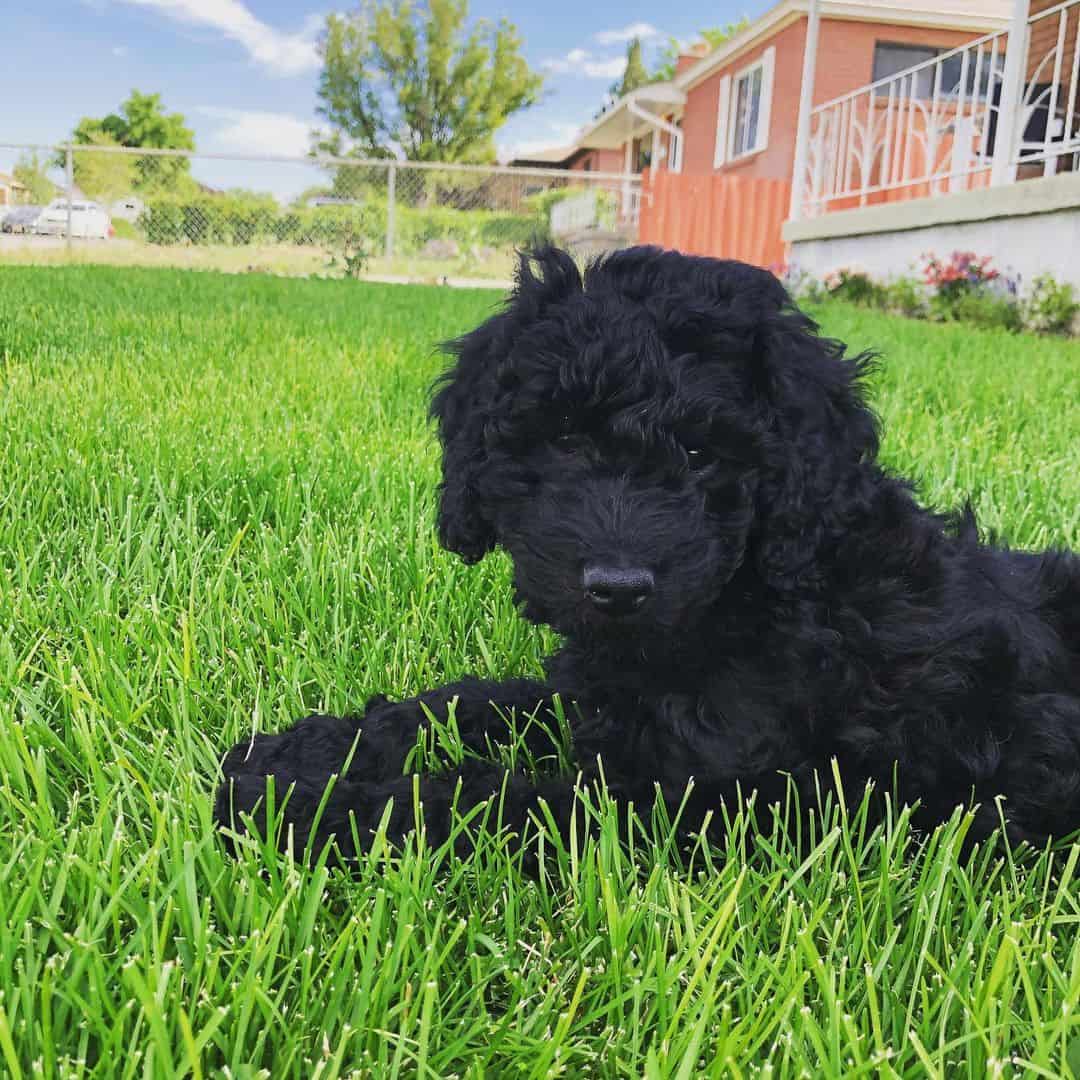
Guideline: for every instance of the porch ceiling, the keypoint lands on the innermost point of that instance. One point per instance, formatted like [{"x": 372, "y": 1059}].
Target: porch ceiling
[{"x": 620, "y": 124}]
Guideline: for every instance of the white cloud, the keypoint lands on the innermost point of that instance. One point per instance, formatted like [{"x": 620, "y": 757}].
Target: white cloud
[
  {"x": 120, "y": 50},
  {"x": 280, "y": 52},
  {"x": 249, "y": 132},
  {"x": 582, "y": 62},
  {"x": 642, "y": 30}
]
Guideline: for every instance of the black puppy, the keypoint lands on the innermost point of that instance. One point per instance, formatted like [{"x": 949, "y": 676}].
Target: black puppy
[{"x": 684, "y": 474}]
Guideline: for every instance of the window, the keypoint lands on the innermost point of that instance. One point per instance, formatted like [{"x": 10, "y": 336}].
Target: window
[
  {"x": 891, "y": 59},
  {"x": 675, "y": 155},
  {"x": 747, "y": 113},
  {"x": 744, "y": 109}
]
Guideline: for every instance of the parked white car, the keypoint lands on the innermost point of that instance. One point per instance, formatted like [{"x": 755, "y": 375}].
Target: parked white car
[
  {"x": 19, "y": 219},
  {"x": 88, "y": 220}
]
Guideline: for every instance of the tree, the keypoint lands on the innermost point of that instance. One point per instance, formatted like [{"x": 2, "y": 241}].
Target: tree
[
  {"x": 30, "y": 172},
  {"x": 713, "y": 36},
  {"x": 635, "y": 74},
  {"x": 104, "y": 176},
  {"x": 411, "y": 77},
  {"x": 142, "y": 122}
]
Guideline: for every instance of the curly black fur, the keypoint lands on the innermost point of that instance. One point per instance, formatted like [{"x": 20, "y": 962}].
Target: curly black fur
[{"x": 676, "y": 420}]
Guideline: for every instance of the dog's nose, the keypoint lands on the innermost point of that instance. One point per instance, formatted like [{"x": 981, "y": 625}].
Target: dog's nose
[{"x": 617, "y": 591}]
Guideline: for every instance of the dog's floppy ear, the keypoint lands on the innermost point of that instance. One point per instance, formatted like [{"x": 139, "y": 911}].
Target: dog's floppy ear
[
  {"x": 467, "y": 398},
  {"x": 820, "y": 435},
  {"x": 459, "y": 407}
]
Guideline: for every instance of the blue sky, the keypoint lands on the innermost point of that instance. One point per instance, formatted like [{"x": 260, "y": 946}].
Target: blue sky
[{"x": 244, "y": 72}]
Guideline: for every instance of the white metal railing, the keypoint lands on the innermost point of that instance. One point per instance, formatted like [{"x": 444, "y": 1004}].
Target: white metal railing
[
  {"x": 949, "y": 124},
  {"x": 931, "y": 126}
]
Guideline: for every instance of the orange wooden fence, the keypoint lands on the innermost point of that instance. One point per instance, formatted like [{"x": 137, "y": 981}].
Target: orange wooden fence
[{"x": 731, "y": 217}]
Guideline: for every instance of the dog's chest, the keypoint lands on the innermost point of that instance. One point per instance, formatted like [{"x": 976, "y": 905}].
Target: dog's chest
[{"x": 734, "y": 725}]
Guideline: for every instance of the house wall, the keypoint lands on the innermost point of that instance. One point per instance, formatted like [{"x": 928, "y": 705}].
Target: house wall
[{"x": 845, "y": 63}]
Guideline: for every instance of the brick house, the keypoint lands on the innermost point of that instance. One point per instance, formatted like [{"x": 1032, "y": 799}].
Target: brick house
[{"x": 735, "y": 110}]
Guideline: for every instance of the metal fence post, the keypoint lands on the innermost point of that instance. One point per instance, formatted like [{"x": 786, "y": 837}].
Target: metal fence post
[
  {"x": 391, "y": 188},
  {"x": 69, "y": 176}
]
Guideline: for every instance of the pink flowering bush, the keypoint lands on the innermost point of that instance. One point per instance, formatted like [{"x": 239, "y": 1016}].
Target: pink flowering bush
[
  {"x": 968, "y": 287},
  {"x": 962, "y": 272}
]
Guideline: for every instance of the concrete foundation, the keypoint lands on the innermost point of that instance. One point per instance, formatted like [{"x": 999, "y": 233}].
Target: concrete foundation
[{"x": 1028, "y": 228}]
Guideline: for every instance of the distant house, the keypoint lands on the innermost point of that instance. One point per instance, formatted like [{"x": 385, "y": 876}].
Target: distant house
[
  {"x": 735, "y": 109},
  {"x": 12, "y": 193},
  {"x": 581, "y": 158},
  {"x": 555, "y": 158}
]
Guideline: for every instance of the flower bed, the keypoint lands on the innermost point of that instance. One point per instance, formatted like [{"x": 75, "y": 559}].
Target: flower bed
[{"x": 964, "y": 287}]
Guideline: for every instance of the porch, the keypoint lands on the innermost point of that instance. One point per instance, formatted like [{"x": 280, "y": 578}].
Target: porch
[{"x": 976, "y": 148}]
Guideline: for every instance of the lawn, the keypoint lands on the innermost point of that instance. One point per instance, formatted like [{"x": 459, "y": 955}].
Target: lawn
[
  {"x": 216, "y": 514},
  {"x": 286, "y": 260}
]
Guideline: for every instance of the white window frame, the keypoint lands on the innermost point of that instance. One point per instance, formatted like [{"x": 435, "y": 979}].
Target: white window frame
[
  {"x": 675, "y": 151},
  {"x": 726, "y": 119}
]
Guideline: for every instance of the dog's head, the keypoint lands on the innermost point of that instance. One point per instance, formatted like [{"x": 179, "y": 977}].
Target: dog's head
[{"x": 640, "y": 437}]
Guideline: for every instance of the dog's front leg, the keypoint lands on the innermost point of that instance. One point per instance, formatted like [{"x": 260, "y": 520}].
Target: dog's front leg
[
  {"x": 476, "y": 798},
  {"x": 365, "y": 756},
  {"x": 482, "y": 714}
]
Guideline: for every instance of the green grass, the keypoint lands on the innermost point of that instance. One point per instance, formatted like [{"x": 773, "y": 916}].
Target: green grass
[
  {"x": 216, "y": 514},
  {"x": 285, "y": 260}
]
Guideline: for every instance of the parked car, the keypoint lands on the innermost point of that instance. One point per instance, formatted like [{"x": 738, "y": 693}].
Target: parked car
[
  {"x": 88, "y": 220},
  {"x": 20, "y": 219}
]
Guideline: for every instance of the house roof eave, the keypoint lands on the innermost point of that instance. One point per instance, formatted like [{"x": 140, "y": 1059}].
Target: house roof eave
[
  {"x": 621, "y": 123},
  {"x": 895, "y": 12}
]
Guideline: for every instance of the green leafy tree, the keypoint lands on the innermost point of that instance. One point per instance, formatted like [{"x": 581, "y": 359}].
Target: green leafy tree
[
  {"x": 713, "y": 36},
  {"x": 415, "y": 78},
  {"x": 104, "y": 176},
  {"x": 30, "y": 172},
  {"x": 142, "y": 122},
  {"x": 635, "y": 75}
]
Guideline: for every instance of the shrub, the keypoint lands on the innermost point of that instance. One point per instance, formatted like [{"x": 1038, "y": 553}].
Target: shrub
[
  {"x": 249, "y": 219},
  {"x": 855, "y": 285},
  {"x": 417, "y": 226},
  {"x": 906, "y": 296},
  {"x": 967, "y": 287},
  {"x": 801, "y": 284},
  {"x": 989, "y": 310},
  {"x": 962, "y": 272},
  {"x": 1051, "y": 306},
  {"x": 125, "y": 230}
]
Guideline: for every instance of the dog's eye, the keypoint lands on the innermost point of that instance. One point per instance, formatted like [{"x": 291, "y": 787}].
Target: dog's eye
[
  {"x": 698, "y": 459},
  {"x": 568, "y": 442}
]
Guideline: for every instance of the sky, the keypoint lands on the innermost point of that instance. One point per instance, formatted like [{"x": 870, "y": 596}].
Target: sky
[{"x": 244, "y": 72}]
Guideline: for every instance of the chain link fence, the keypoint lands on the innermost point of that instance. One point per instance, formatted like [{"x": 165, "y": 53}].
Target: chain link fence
[{"x": 330, "y": 216}]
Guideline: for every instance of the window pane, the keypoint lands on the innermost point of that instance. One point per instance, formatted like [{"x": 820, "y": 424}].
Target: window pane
[
  {"x": 755, "y": 108},
  {"x": 894, "y": 59},
  {"x": 741, "y": 95},
  {"x": 747, "y": 111},
  {"x": 952, "y": 72}
]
